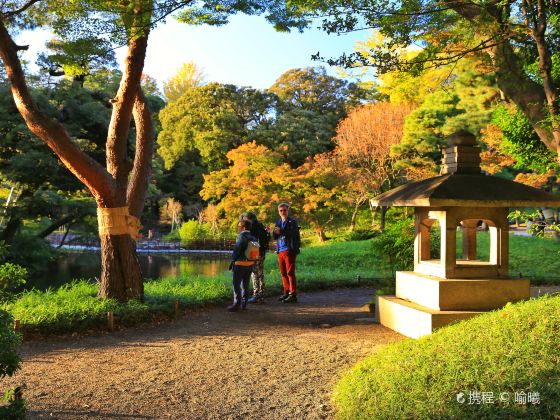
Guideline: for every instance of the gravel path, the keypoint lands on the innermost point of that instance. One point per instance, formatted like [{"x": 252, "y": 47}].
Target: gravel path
[{"x": 273, "y": 361}]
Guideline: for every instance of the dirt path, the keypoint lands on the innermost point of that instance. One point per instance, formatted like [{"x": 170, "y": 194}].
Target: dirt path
[{"x": 272, "y": 361}]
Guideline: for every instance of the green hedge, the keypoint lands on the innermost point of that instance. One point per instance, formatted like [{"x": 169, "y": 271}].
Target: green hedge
[{"x": 513, "y": 350}]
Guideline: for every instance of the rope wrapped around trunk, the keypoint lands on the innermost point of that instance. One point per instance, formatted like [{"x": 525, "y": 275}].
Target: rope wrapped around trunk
[{"x": 117, "y": 221}]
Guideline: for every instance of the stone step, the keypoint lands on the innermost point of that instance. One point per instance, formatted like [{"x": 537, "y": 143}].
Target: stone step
[
  {"x": 413, "y": 320},
  {"x": 441, "y": 294}
]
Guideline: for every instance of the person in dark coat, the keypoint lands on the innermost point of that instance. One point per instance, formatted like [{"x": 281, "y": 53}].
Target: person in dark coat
[
  {"x": 287, "y": 236},
  {"x": 241, "y": 267}
]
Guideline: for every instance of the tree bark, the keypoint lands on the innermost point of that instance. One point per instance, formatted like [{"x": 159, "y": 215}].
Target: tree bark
[{"x": 120, "y": 262}]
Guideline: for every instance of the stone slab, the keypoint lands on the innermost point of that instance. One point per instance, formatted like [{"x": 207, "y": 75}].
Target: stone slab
[
  {"x": 442, "y": 294},
  {"x": 414, "y": 320}
]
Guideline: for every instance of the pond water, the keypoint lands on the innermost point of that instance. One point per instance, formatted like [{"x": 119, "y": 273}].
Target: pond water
[{"x": 87, "y": 265}]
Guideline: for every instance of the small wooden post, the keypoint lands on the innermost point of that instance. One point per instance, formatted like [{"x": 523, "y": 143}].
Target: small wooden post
[
  {"x": 177, "y": 310},
  {"x": 110, "y": 321}
]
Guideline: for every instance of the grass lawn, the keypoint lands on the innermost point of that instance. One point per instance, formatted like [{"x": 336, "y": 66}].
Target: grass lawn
[
  {"x": 75, "y": 306},
  {"x": 513, "y": 350}
]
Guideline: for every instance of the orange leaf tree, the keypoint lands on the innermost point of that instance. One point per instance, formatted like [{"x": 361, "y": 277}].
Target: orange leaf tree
[{"x": 363, "y": 145}]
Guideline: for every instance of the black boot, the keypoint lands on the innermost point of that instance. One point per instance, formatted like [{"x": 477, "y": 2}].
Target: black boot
[{"x": 292, "y": 298}]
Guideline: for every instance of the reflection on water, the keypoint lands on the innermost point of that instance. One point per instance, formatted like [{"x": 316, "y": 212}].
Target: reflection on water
[{"x": 87, "y": 265}]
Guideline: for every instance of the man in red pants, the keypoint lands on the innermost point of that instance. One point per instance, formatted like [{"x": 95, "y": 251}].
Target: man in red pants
[{"x": 286, "y": 234}]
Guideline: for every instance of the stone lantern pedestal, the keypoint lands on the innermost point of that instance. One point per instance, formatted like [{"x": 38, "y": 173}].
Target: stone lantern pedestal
[{"x": 455, "y": 283}]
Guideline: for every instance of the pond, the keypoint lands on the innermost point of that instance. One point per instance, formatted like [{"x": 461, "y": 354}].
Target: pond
[{"x": 87, "y": 265}]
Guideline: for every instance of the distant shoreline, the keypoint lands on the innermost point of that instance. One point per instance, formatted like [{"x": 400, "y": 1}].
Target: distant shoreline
[{"x": 147, "y": 250}]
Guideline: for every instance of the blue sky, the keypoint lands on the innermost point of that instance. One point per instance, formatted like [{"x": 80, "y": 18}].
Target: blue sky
[{"x": 246, "y": 52}]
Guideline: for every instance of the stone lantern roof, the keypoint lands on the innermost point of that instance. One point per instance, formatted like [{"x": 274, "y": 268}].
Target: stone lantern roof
[{"x": 463, "y": 184}]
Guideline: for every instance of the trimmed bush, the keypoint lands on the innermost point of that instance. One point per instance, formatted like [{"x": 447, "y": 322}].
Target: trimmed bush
[
  {"x": 514, "y": 350},
  {"x": 11, "y": 407}
]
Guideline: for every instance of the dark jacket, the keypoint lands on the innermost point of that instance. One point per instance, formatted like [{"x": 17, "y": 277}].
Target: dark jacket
[
  {"x": 290, "y": 233},
  {"x": 259, "y": 231},
  {"x": 241, "y": 246}
]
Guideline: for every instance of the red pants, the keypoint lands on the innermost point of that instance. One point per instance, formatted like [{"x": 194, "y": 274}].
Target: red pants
[{"x": 287, "y": 264}]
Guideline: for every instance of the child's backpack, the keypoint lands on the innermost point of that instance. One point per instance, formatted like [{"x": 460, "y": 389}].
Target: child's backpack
[{"x": 252, "y": 252}]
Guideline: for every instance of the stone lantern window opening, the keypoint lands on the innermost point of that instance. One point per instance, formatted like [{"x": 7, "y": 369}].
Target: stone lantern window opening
[{"x": 470, "y": 243}]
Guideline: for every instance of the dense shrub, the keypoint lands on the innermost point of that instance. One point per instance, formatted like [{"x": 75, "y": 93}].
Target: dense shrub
[
  {"x": 395, "y": 246},
  {"x": 193, "y": 230},
  {"x": 12, "y": 276},
  {"x": 12, "y": 407},
  {"x": 514, "y": 350},
  {"x": 357, "y": 235}
]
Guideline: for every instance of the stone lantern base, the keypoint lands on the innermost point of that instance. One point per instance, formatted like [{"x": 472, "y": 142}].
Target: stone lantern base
[{"x": 424, "y": 303}]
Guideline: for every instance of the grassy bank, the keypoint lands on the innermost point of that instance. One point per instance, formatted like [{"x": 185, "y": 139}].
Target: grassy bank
[
  {"x": 75, "y": 307},
  {"x": 514, "y": 350}
]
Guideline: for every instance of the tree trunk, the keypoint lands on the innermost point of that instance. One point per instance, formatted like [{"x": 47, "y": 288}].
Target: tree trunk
[
  {"x": 121, "y": 277},
  {"x": 9, "y": 232},
  {"x": 321, "y": 234},
  {"x": 354, "y": 216}
]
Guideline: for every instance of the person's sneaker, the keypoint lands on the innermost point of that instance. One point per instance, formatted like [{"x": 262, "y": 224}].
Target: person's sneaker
[
  {"x": 243, "y": 304},
  {"x": 233, "y": 307},
  {"x": 284, "y": 296},
  {"x": 253, "y": 299},
  {"x": 292, "y": 298}
]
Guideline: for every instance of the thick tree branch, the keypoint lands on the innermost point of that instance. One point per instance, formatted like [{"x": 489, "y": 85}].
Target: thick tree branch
[
  {"x": 117, "y": 162},
  {"x": 56, "y": 224},
  {"x": 51, "y": 132},
  {"x": 140, "y": 177}
]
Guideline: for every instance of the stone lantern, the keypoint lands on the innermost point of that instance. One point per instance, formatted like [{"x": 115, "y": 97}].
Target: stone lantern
[{"x": 455, "y": 285}]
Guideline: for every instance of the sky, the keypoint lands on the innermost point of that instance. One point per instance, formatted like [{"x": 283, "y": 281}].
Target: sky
[{"x": 245, "y": 52}]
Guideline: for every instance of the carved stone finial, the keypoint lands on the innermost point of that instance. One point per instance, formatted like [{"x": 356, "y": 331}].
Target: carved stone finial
[{"x": 461, "y": 155}]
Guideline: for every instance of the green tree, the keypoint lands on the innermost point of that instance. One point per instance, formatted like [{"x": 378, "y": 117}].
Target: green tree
[
  {"x": 77, "y": 59},
  {"x": 466, "y": 101},
  {"x": 311, "y": 105},
  {"x": 211, "y": 120},
  {"x": 507, "y": 35}
]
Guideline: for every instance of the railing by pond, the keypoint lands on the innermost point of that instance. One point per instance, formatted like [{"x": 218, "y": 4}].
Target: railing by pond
[{"x": 145, "y": 245}]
